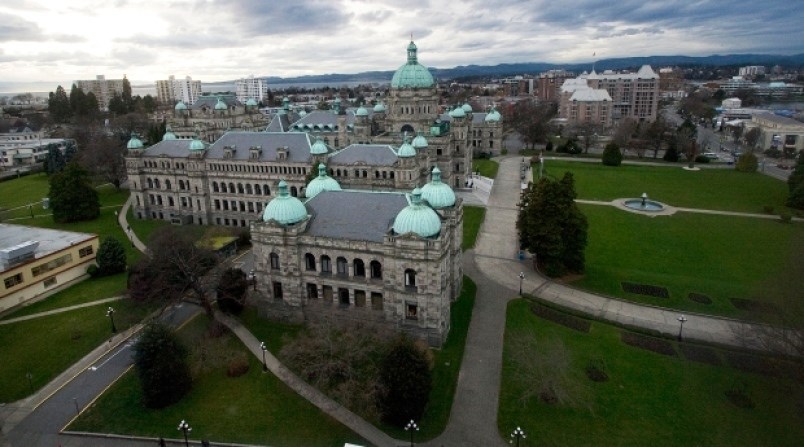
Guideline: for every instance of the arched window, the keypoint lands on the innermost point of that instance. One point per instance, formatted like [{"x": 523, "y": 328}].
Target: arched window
[
  {"x": 274, "y": 261},
  {"x": 150, "y": 183},
  {"x": 167, "y": 184},
  {"x": 223, "y": 187},
  {"x": 170, "y": 201},
  {"x": 342, "y": 266},
  {"x": 257, "y": 189},
  {"x": 240, "y": 188},
  {"x": 156, "y": 183},
  {"x": 248, "y": 188},
  {"x": 326, "y": 264},
  {"x": 410, "y": 278},
  {"x": 231, "y": 188},
  {"x": 376, "y": 270},
  {"x": 309, "y": 262},
  {"x": 266, "y": 191},
  {"x": 359, "y": 268}
]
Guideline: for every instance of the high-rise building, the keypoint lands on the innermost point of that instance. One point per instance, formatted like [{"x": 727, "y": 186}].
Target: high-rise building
[
  {"x": 752, "y": 70},
  {"x": 103, "y": 89},
  {"x": 251, "y": 88},
  {"x": 172, "y": 90},
  {"x": 549, "y": 83}
]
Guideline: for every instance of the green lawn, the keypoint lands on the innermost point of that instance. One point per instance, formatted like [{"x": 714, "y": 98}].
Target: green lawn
[
  {"x": 487, "y": 168},
  {"x": 86, "y": 291},
  {"x": 447, "y": 360},
  {"x": 472, "y": 219},
  {"x": 29, "y": 189},
  {"x": 719, "y": 256},
  {"x": 143, "y": 228},
  {"x": 47, "y": 346},
  {"x": 649, "y": 399},
  {"x": 718, "y": 189},
  {"x": 255, "y": 408}
]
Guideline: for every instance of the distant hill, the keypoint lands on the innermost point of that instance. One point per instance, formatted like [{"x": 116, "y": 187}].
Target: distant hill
[{"x": 500, "y": 70}]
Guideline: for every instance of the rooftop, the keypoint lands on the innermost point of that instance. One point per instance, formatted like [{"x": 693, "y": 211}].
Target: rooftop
[
  {"x": 50, "y": 241},
  {"x": 344, "y": 214}
]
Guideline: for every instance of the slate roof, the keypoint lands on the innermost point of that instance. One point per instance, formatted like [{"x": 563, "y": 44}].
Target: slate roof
[
  {"x": 323, "y": 117},
  {"x": 279, "y": 123},
  {"x": 479, "y": 118},
  {"x": 354, "y": 215},
  {"x": 168, "y": 148},
  {"x": 590, "y": 95},
  {"x": 210, "y": 101},
  {"x": 297, "y": 143},
  {"x": 370, "y": 154}
]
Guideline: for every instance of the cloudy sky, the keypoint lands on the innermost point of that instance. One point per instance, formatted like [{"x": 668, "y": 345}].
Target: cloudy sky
[{"x": 215, "y": 40}]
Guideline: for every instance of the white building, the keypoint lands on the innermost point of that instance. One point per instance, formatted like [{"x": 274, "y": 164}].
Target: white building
[
  {"x": 752, "y": 70},
  {"x": 173, "y": 90},
  {"x": 103, "y": 89},
  {"x": 251, "y": 88}
]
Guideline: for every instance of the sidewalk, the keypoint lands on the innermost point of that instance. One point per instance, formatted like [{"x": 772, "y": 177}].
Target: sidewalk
[{"x": 61, "y": 309}]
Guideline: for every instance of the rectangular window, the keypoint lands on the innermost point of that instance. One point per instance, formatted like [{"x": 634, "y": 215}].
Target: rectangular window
[
  {"x": 12, "y": 281},
  {"x": 277, "y": 286},
  {"x": 412, "y": 311},
  {"x": 360, "y": 298},
  {"x": 312, "y": 291},
  {"x": 376, "y": 300},
  {"x": 54, "y": 264},
  {"x": 327, "y": 294},
  {"x": 50, "y": 281},
  {"x": 84, "y": 252}
]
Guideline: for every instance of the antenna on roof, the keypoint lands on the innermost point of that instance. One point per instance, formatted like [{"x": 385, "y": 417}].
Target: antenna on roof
[
  {"x": 411, "y": 37},
  {"x": 593, "y": 61}
]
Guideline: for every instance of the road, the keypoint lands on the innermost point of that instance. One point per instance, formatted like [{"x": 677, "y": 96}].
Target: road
[{"x": 42, "y": 426}]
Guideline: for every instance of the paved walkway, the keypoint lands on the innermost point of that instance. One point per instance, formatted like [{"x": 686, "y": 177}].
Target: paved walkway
[{"x": 61, "y": 309}]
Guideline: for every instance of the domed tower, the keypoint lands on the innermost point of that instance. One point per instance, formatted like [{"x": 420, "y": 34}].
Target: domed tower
[
  {"x": 319, "y": 151},
  {"x": 413, "y": 98},
  {"x": 220, "y": 107},
  {"x": 321, "y": 183},
  {"x": 442, "y": 198},
  {"x": 362, "y": 129},
  {"x": 417, "y": 218},
  {"x": 134, "y": 145},
  {"x": 197, "y": 147},
  {"x": 169, "y": 135}
]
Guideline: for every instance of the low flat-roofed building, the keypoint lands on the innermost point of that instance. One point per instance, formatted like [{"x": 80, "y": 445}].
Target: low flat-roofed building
[
  {"x": 778, "y": 132},
  {"x": 35, "y": 260}
]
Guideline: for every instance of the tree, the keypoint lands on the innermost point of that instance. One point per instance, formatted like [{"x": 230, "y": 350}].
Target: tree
[
  {"x": 752, "y": 138},
  {"x": 406, "y": 382},
  {"x": 532, "y": 121},
  {"x": 747, "y": 163},
  {"x": 161, "y": 364},
  {"x": 111, "y": 257},
  {"x": 69, "y": 152},
  {"x": 231, "y": 291},
  {"x": 552, "y": 226},
  {"x": 91, "y": 104},
  {"x": 148, "y": 104},
  {"x": 686, "y": 141},
  {"x": 656, "y": 133},
  {"x": 102, "y": 154},
  {"x": 795, "y": 184},
  {"x": 77, "y": 100},
  {"x": 156, "y": 132},
  {"x": 175, "y": 265},
  {"x": 625, "y": 132},
  {"x": 58, "y": 105},
  {"x": 128, "y": 101},
  {"x": 55, "y": 159},
  {"x": 117, "y": 106},
  {"x": 612, "y": 155},
  {"x": 671, "y": 154},
  {"x": 72, "y": 196}
]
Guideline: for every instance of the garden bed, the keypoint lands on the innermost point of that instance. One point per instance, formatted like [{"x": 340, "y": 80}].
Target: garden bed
[
  {"x": 652, "y": 344},
  {"x": 566, "y": 320},
  {"x": 646, "y": 289}
]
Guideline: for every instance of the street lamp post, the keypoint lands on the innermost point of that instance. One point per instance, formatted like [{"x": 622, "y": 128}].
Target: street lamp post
[
  {"x": 130, "y": 238},
  {"x": 412, "y": 428},
  {"x": 110, "y": 314},
  {"x": 253, "y": 279},
  {"x": 516, "y": 435},
  {"x": 681, "y": 320},
  {"x": 185, "y": 428},
  {"x": 521, "y": 278},
  {"x": 263, "y": 348}
]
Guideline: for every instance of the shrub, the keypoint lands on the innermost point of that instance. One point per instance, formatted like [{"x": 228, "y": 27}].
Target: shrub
[
  {"x": 652, "y": 344},
  {"x": 596, "y": 370},
  {"x": 612, "y": 155},
  {"x": 549, "y": 146},
  {"x": 161, "y": 364},
  {"x": 406, "y": 382},
  {"x": 702, "y": 159},
  {"x": 671, "y": 154},
  {"x": 699, "y": 298},
  {"x": 92, "y": 270},
  {"x": 646, "y": 289},
  {"x": 504, "y": 152},
  {"x": 768, "y": 209},
  {"x": 747, "y": 163},
  {"x": 238, "y": 365},
  {"x": 561, "y": 318},
  {"x": 773, "y": 153},
  {"x": 785, "y": 217}
]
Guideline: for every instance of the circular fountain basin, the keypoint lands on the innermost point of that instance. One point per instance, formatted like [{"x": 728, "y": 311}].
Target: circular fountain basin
[{"x": 646, "y": 205}]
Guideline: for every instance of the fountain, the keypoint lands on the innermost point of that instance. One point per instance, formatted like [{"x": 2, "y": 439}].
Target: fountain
[{"x": 643, "y": 204}]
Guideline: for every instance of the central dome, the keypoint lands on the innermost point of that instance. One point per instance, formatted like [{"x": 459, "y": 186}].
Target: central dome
[{"x": 413, "y": 74}]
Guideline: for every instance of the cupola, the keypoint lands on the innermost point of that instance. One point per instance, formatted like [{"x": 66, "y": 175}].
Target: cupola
[
  {"x": 437, "y": 193},
  {"x": 420, "y": 143},
  {"x": 417, "y": 218},
  {"x": 134, "y": 142},
  {"x": 321, "y": 183},
  {"x": 284, "y": 209},
  {"x": 169, "y": 135},
  {"x": 318, "y": 148},
  {"x": 406, "y": 150}
]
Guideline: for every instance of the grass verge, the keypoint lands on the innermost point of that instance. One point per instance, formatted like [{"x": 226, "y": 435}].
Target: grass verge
[
  {"x": 487, "y": 168},
  {"x": 472, "y": 220}
]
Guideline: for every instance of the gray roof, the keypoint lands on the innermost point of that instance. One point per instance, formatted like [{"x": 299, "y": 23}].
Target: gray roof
[
  {"x": 354, "y": 215},
  {"x": 297, "y": 143},
  {"x": 324, "y": 117},
  {"x": 479, "y": 118},
  {"x": 279, "y": 123},
  {"x": 50, "y": 241},
  {"x": 169, "y": 148},
  {"x": 370, "y": 154},
  {"x": 210, "y": 101}
]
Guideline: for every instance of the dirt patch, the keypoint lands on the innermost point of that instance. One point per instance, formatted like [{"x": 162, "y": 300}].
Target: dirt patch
[
  {"x": 699, "y": 298},
  {"x": 645, "y": 289},
  {"x": 700, "y": 354},
  {"x": 566, "y": 320},
  {"x": 648, "y": 343}
]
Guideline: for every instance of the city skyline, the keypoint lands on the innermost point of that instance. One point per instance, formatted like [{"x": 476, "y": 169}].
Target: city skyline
[{"x": 216, "y": 41}]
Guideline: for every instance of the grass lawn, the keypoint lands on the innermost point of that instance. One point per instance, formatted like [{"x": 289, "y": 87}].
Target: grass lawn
[
  {"x": 255, "y": 408},
  {"x": 649, "y": 399},
  {"x": 143, "y": 228},
  {"x": 472, "y": 219},
  {"x": 29, "y": 189},
  {"x": 446, "y": 361},
  {"x": 719, "y": 256},
  {"x": 488, "y": 168},
  {"x": 47, "y": 346},
  {"x": 717, "y": 189},
  {"x": 86, "y": 291}
]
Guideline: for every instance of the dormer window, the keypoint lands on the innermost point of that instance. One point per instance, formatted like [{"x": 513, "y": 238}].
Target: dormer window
[
  {"x": 254, "y": 152},
  {"x": 282, "y": 153},
  {"x": 228, "y": 151}
]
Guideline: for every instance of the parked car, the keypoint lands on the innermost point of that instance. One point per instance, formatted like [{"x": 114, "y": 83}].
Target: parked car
[{"x": 710, "y": 155}]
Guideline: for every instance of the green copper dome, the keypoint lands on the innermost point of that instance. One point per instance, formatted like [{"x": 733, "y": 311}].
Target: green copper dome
[
  {"x": 420, "y": 142},
  {"x": 284, "y": 208},
  {"x": 318, "y": 148},
  {"x": 169, "y": 135},
  {"x": 379, "y": 108},
  {"x": 321, "y": 183},
  {"x": 303, "y": 113},
  {"x": 361, "y": 111},
  {"x": 437, "y": 193},
  {"x": 251, "y": 102},
  {"x": 134, "y": 142},
  {"x": 467, "y": 108},
  {"x": 412, "y": 74},
  {"x": 457, "y": 112},
  {"x": 406, "y": 150},
  {"x": 197, "y": 145},
  {"x": 220, "y": 105},
  {"x": 180, "y": 106},
  {"x": 493, "y": 116},
  {"x": 417, "y": 218}
]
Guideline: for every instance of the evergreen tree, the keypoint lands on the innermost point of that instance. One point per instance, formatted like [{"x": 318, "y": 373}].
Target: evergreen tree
[
  {"x": 55, "y": 159},
  {"x": 91, "y": 104},
  {"x": 406, "y": 382},
  {"x": 111, "y": 257},
  {"x": 69, "y": 152},
  {"x": 612, "y": 155},
  {"x": 148, "y": 104},
  {"x": 72, "y": 196},
  {"x": 128, "y": 100},
  {"x": 116, "y": 105},
  {"x": 747, "y": 162},
  {"x": 58, "y": 105},
  {"x": 161, "y": 364},
  {"x": 671, "y": 154},
  {"x": 78, "y": 101}
]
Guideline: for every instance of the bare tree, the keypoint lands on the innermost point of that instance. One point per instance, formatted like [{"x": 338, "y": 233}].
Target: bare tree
[
  {"x": 624, "y": 133},
  {"x": 655, "y": 134},
  {"x": 102, "y": 154},
  {"x": 586, "y": 133},
  {"x": 532, "y": 121},
  {"x": 752, "y": 138}
]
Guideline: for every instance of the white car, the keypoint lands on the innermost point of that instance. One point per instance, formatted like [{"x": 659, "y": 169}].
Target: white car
[{"x": 710, "y": 155}]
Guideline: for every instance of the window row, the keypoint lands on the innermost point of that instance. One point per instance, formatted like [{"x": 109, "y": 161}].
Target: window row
[
  {"x": 262, "y": 169},
  {"x": 241, "y": 206},
  {"x": 341, "y": 265},
  {"x": 157, "y": 200},
  {"x": 163, "y": 164},
  {"x": 361, "y": 173},
  {"x": 157, "y": 184},
  {"x": 240, "y": 188}
]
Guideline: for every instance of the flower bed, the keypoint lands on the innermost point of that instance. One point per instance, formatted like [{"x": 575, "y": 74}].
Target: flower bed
[
  {"x": 699, "y": 298},
  {"x": 645, "y": 289},
  {"x": 653, "y": 344}
]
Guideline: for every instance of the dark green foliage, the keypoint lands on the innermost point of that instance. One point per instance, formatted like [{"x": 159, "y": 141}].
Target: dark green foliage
[
  {"x": 671, "y": 154},
  {"x": 69, "y": 152},
  {"x": 155, "y": 133},
  {"x": 702, "y": 159},
  {"x": 72, "y": 196},
  {"x": 161, "y": 364},
  {"x": 747, "y": 163},
  {"x": 231, "y": 291},
  {"x": 111, "y": 257},
  {"x": 148, "y": 104},
  {"x": 795, "y": 183},
  {"x": 570, "y": 147},
  {"x": 552, "y": 226},
  {"x": 549, "y": 146},
  {"x": 406, "y": 381},
  {"x": 55, "y": 159},
  {"x": 58, "y": 105},
  {"x": 116, "y": 105},
  {"x": 612, "y": 155}
]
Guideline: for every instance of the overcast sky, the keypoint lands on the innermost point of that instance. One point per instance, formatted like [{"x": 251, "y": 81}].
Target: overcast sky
[{"x": 215, "y": 40}]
